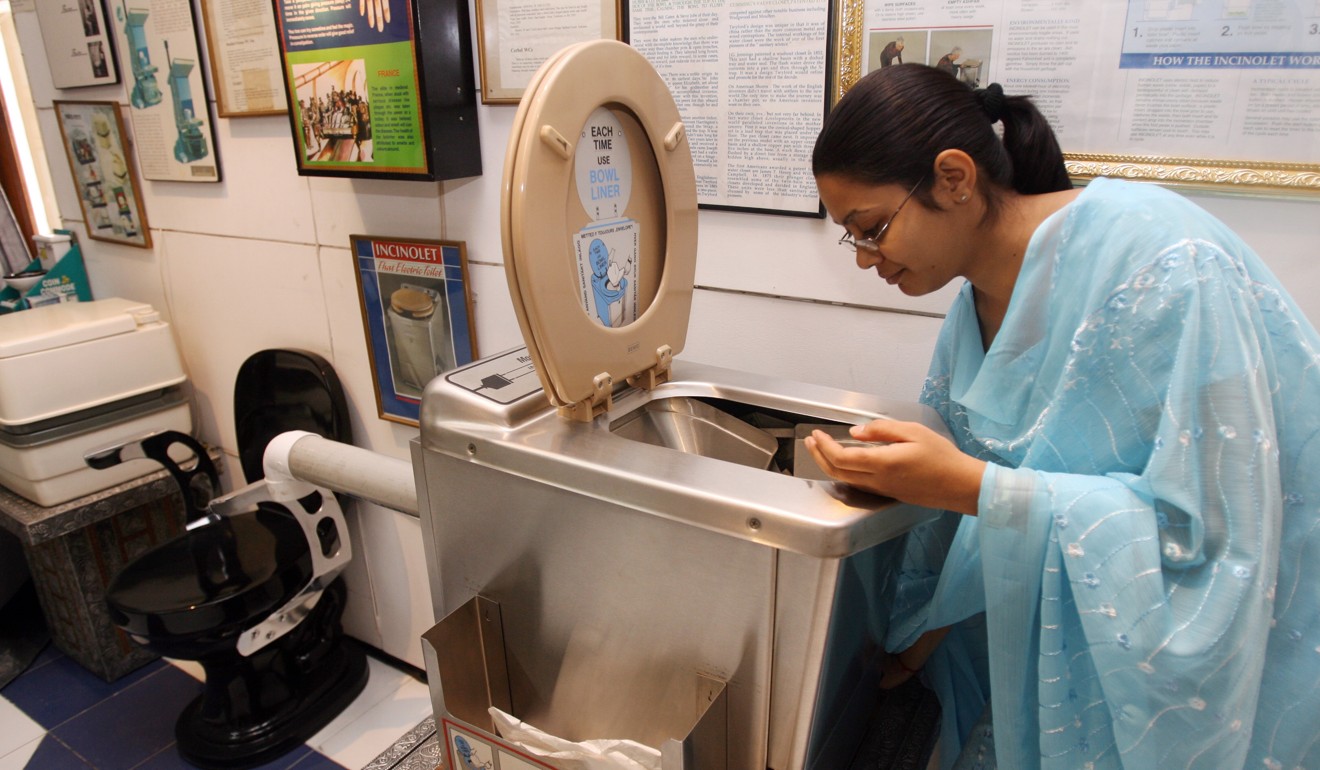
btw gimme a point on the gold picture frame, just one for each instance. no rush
(1248, 176)
(509, 56)
(417, 315)
(103, 172)
(237, 30)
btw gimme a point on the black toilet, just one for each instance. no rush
(251, 589)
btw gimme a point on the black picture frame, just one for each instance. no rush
(366, 99)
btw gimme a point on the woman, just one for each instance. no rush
(1125, 572)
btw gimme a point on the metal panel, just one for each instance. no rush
(611, 616)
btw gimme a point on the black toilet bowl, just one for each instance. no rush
(194, 597)
(243, 568)
(252, 709)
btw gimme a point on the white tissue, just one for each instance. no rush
(601, 754)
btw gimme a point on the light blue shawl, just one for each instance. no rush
(1140, 587)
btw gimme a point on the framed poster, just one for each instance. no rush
(108, 191)
(359, 103)
(77, 42)
(417, 315)
(367, 99)
(751, 84)
(1218, 95)
(515, 37)
(245, 58)
(167, 92)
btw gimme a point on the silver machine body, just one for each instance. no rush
(645, 562)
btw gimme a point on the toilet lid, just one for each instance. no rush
(599, 221)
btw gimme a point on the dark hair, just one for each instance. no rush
(891, 125)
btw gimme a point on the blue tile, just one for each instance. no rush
(48, 653)
(317, 761)
(60, 689)
(51, 754)
(134, 724)
(169, 759)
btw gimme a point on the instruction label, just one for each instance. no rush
(607, 265)
(602, 166)
(503, 379)
(470, 750)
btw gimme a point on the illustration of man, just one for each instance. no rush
(468, 755)
(608, 284)
(893, 50)
(947, 61)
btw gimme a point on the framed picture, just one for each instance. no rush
(515, 37)
(372, 94)
(417, 314)
(77, 42)
(751, 85)
(245, 58)
(108, 190)
(157, 41)
(1200, 95)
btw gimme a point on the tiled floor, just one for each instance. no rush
(58, 716)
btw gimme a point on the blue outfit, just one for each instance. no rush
(1139, 589)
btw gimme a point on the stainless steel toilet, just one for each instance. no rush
(624, 544)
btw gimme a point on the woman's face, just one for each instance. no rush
(915, 252)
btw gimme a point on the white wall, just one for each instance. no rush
(262, 260)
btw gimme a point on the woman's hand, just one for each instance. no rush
(902, 666)
(914, 464)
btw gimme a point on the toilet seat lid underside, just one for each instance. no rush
(555, 231)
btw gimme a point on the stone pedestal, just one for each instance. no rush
(76, 548)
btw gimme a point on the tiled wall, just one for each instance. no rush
(261, 260)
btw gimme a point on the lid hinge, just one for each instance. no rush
(600, 401)
(648, 379)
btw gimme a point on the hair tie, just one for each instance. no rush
(991, 98)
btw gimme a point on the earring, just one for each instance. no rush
(963, 199)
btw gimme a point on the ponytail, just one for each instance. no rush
(1038, 165)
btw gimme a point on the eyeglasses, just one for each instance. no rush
(871, 243)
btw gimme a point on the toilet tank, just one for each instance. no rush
(76, 377)
(59, 359)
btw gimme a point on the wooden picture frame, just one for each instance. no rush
(103, 173)
(245, 58)
(515, 37)
(417, 316)
(1202, 114)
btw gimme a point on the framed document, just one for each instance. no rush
(172, 126)
(1224, 96)
(515, 37)
(367, 97)
(108, 191)
(751, 84)
(417, 315)
(77, 42)
(245, 58)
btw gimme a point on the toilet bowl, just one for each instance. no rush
(251, 589)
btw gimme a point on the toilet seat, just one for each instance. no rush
(599, 172)
(257, 562)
